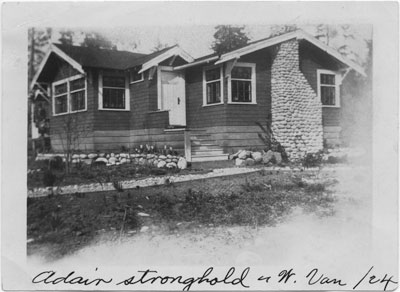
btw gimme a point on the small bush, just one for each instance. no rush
(56, 163)
(312, 160)
(49, 178)
(118, 186)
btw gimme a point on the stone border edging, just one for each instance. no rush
(147, 182)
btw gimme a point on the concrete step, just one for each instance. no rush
(199, 158)
(203, 146)
(208, 152)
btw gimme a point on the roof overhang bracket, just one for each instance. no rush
(152, 71)
(343, 76)
(229, 66)
(172, 60)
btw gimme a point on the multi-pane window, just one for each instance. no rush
(135, 76)
(213, 85)
(328, 88)
(242, 83)
(113, 92)
(77, 93)
(69, 95)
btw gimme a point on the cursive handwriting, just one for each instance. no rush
(314, 278)
(47, 277)
(188, 282)
(376, 280)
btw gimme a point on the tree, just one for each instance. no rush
(282, 29)
(38, 40)
(228, 38)
(97, 40)
(72, 135)
(325, 33)
(66, 37)
(159, 46)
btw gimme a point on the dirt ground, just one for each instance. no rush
(302, 238)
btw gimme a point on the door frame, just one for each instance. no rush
(159, 86)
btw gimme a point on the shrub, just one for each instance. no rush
(56, 163)
(312, 160)
(49, 178)
(118, 186)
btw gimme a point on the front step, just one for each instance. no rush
(207, 152)
(204, 147)
(200, 158)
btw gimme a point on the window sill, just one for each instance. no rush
(239, 102)
(212, 104)
(79, 111)
(114, 110)
(60, 114)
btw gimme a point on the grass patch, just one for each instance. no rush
(68, 222)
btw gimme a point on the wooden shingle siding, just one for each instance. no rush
(85, 118)
(108, 119)
(248, 115)
(158, 119)
(198, 116)
(310, 61)
(65, 70)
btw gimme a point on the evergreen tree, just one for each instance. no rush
(97, 40)
(66, 37)
(228, 38)
(38, 41)
(282, 29)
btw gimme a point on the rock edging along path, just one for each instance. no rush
(130, 184)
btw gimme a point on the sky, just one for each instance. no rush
(197, 39)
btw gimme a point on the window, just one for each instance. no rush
(328, 88)
(212, 86)
(69, 95)
(135, 76)
(113, 93)
(242, 86)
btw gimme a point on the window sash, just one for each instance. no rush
(241, 90)
(61, 104)
(67, 101)
(329, 88)
(113, 98)
(213, 92)
(212, 86)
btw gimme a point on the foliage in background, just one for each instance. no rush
(228, 38)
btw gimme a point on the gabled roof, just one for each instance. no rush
(99, 58)
(79, 57)
(271, 41)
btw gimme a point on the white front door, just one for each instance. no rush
(173, 97)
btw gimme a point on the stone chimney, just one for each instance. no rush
(295, 107)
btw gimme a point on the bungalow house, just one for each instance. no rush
(210, 105)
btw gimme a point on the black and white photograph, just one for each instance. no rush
(200, 146)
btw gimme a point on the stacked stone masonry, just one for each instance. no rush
(296, 110)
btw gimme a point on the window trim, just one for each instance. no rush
(221, 82)
(253, 84)
(337, 86)
(68, 93)
(100, 94)
(136, 81)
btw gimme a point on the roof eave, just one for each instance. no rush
(169, 53)
(298, 34)
(62, 55)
